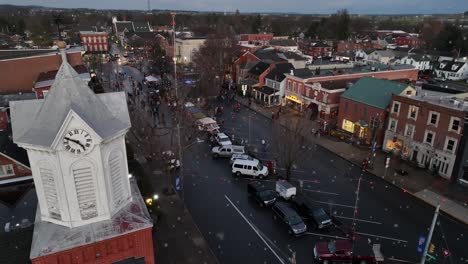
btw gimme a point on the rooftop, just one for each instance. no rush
(6, 98)
(24, 53)
(51, 238)
(259, 68)
(373, 92)
(10, 149)
(283, 42)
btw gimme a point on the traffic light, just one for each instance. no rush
(431, 248)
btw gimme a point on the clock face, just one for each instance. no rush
(77, 141)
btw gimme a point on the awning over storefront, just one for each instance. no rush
(294, 99)
(266, 90)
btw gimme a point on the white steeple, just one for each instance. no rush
(75, 141)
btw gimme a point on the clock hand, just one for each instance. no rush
(76, 141)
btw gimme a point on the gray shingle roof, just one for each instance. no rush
(124, 25)
(259, 68)
(37, 122)
(277, 74)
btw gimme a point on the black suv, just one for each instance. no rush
(287, 215)
(305, 209)
(262, 194)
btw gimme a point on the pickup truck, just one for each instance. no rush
(227, 151)
(343, 251)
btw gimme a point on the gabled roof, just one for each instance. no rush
(321, 45)
(373, 92)
(303, 73)
(277, 74)
(6, 98)
(141, 27)
(124, 25)
(283, 42)
(259, 68)
(293, 56)
(11, 150)
(50, 75)
(450, 66)
(268, 55)
(385, 53)
(37, 122)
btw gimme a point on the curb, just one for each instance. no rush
(370, 172)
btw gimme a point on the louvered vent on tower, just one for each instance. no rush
(50, 192)
(85, 190)
(116, 177)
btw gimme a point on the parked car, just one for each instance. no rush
(262, 194)
(288, 216)
(253, 168)
(240, 156)
(285, 189)
(226, 151)
(343, 251)
(221, 139)
(307, 211)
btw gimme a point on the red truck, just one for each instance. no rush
(342, 251)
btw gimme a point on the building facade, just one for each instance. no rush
(262, 39)
(425, 130)
(363, 108)
(75, 142)
(94, 42)
(185, 48)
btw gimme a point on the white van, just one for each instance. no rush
(253, 168)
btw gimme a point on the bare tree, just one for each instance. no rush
(211, 58)
(290, 144)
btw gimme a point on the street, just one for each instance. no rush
(239, 231)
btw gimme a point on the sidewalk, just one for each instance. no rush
(453, 198)
(176, 237)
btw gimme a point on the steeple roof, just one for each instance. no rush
(38, 122)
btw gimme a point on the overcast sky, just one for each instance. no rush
(300, 6)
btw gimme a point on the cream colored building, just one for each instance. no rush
(185, 48)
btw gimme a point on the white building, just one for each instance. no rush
(452, 70)
(185, 48)
(75, 141)
(382, 56)
(420, 62)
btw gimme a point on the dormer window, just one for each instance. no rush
(442, 65)
(454, 67)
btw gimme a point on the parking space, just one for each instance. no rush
(379, 215)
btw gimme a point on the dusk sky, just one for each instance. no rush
(300, 6)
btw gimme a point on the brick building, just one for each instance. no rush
(14, 163)
(409, 41)
(20, 68)
(426, 130)
(315, 49)
(262, 39)
(347, 46)
(322, 91)
(94, 42)
(46, 79)
(363, 108)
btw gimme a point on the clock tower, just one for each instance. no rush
(75, 141)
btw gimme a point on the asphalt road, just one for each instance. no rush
(239, 231)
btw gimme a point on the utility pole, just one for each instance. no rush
(356, 203)
(429, 237)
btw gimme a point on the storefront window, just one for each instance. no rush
(348, 126)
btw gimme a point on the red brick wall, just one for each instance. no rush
(19, 170)
(411, 74)
(19, 75)
(350, 115)
(421, 125)
(135, 244)
(94, 45)
(40, 92)
(3, 120)
(256, 37)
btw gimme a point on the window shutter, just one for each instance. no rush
(85, 191)
(50, 192)
(116, 177)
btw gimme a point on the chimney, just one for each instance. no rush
(292, 72)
